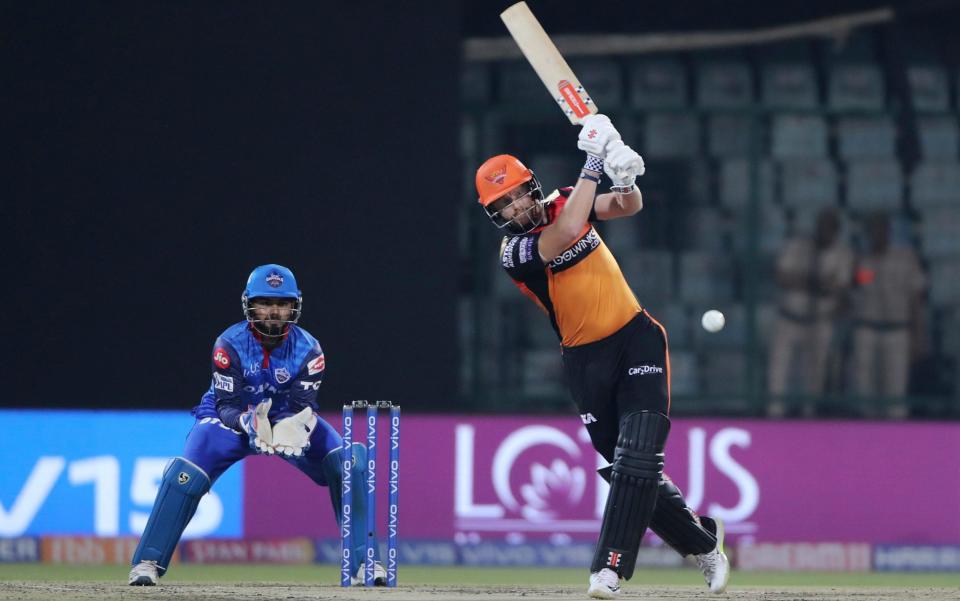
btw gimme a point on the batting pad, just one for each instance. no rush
(678, 525)
(182, 487)
(635, 478)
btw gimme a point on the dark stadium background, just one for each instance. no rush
(155, 152)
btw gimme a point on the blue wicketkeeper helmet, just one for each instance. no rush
(271, 281)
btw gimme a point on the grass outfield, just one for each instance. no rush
(423, 575)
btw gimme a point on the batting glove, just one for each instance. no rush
(597, 132)
(622, 166)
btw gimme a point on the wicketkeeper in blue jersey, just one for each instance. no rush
(262, 400)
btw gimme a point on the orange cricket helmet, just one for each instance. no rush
(498, 175)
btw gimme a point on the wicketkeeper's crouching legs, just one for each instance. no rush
(634, 482)
(183, 484)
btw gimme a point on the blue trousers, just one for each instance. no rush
(213, 448)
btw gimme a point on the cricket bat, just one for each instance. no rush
(546, 60)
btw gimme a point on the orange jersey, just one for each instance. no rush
(583, 290)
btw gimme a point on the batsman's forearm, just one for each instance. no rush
(632, 202)
(577, 211)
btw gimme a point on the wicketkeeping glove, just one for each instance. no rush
(257, 426)
(291, 435)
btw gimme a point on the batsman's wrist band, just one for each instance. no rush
(594, 163)
(594, 178)
(627, 189)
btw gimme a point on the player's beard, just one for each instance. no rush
(530, 219)
(273, 329)
(536, 215)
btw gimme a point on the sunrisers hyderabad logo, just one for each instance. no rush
(497, 177)
(221, 359)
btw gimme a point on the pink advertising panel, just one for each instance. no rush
(534, 479)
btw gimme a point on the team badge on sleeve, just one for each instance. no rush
(506, 256)
(527, 249)
(224, 383)
(220, 358)
(316, 366)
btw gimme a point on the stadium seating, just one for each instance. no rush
(938, 136)
(671, 135)
(555, 170)
(935, 184)
(704, 278)
(874, 185)
(602, 78)
(723, 373)
(866, 138)
(856, 87)
(789, 86)
(621, 236)
(728, 135)
(939, 229)
(809, 184)
(684, 377)
(826, 136)
(929, 88)
(658, 84)
(945, 282)
(724, 85)
(650, 272)
(799, 136)
(734, 183)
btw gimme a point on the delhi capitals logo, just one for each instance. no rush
(282, 375)
(275, 279)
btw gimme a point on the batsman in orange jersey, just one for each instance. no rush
(614, 354)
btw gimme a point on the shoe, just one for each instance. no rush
(379, 575)
(604, 584)
(715, 565)
(144, 573)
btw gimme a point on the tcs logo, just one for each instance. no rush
(221, 359)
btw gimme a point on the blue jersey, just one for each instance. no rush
(245, 373)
